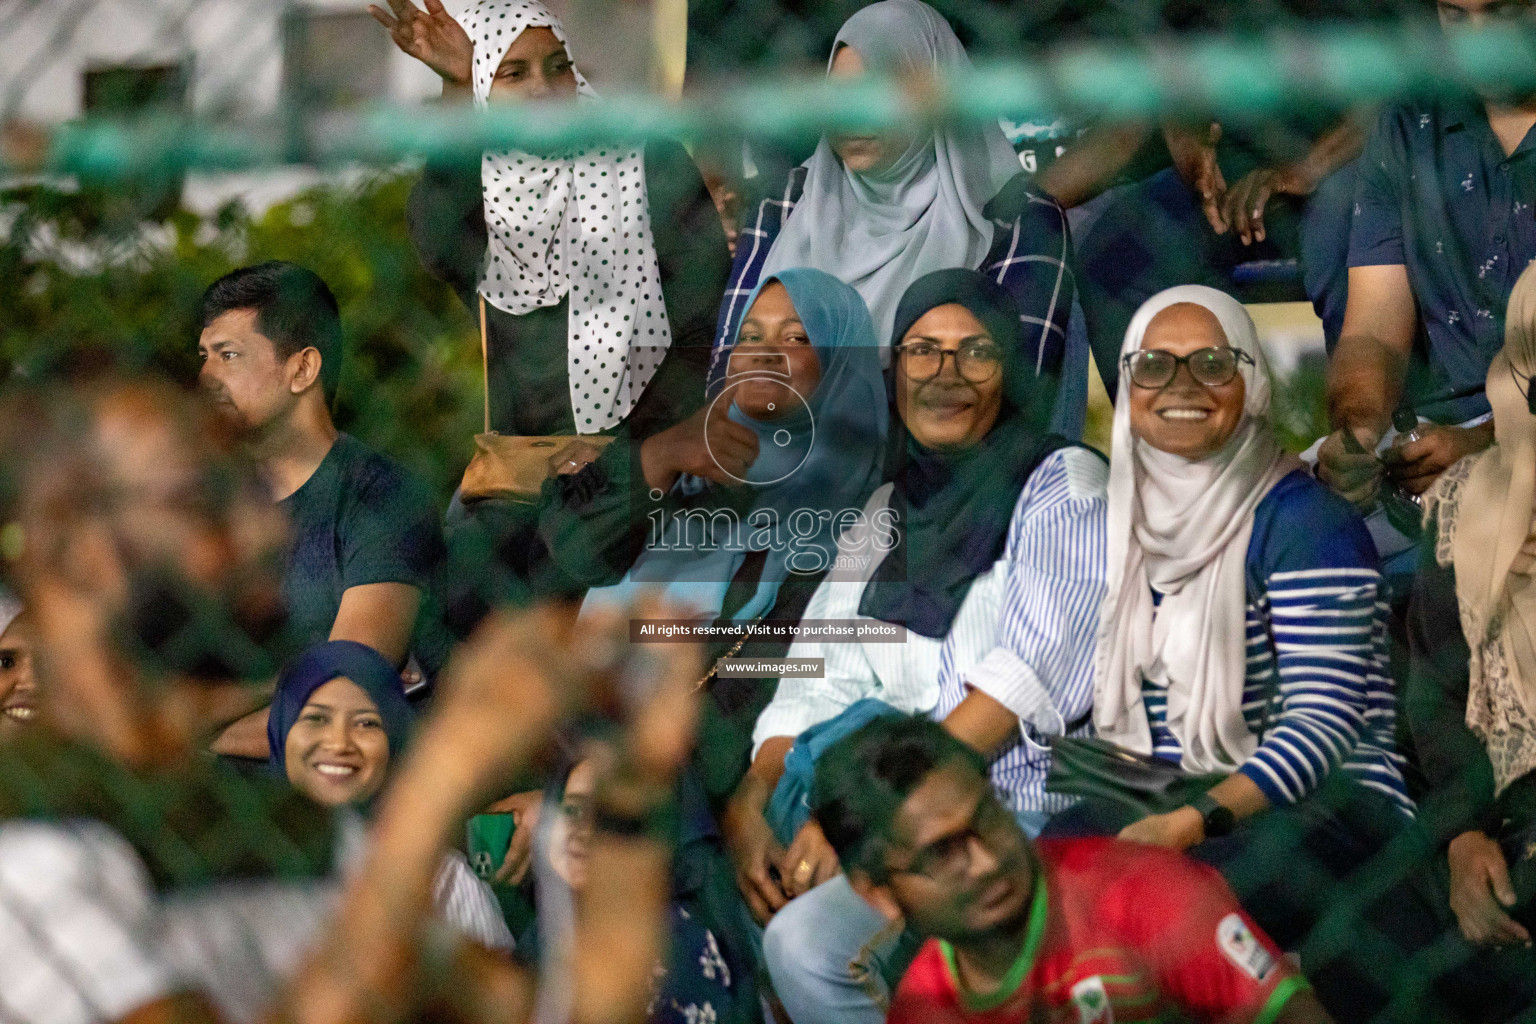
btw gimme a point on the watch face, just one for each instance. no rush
(1219, 821)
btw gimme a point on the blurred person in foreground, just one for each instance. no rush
(149, 560)
(1441, 230)
(365, 539)
(1087, 929)
(18, 677)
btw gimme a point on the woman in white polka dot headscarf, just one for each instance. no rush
(575, 253)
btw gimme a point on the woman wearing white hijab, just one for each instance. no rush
(1471, 697)
(1223, 552)
(600, 268)
(882, 210)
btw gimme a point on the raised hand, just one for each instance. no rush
(431, 36)
(708, 444)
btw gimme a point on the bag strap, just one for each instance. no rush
(485, 366)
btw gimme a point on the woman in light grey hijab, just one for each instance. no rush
(880, 211)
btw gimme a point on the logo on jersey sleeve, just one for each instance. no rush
(1093, 1005)
(1243, 948)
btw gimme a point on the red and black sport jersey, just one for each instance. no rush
(1118, 932)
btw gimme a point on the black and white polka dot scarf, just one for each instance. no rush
(575, 225)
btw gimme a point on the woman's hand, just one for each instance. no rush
(708, 444)
(756, 855)
(1177, 830)
(1480, 892)
(432, 37)
(524, 808)
(809, 861)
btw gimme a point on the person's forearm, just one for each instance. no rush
(1332, 150)
(1240, 795)
(982, 724)
(766, 771)
(373, 942)
(1365, 383)
(1092, 161)
(622, 931)
(245, 738)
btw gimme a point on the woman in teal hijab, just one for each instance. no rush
(796, 433)
(804, 378)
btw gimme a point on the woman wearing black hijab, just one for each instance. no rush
(988, 546)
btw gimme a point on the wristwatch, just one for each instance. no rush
(1219, 819)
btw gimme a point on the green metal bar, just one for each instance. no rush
(1228, 78)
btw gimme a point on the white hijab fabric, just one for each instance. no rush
(880, 232)
(1183, 528)
(10, 609)
(576, 225)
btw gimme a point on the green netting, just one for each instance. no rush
(116, 262)
(1214, 76)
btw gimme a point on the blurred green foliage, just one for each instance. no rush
(1299, 404)
(88, 269)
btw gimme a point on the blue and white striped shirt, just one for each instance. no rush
(1313, 581)
(1024, 634)
(1040, 662)
(1029, 257)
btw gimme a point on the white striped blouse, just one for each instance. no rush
(1024, 634)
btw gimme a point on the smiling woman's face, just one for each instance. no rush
(947, 412)
(18, 686)
(1184, 417)
(338, 752)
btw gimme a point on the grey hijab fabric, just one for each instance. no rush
(880, 232)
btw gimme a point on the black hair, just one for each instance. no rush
(863, 779)
(294, 309)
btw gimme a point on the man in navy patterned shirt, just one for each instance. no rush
(1443, 225)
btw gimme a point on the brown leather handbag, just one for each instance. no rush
(508, 467)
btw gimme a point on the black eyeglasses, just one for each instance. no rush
(1156, 368)
(948, 859)
(976, 361)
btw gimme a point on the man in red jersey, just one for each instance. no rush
(1090, 930)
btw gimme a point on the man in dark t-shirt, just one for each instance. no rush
(358, 521)
(365, 537)
(1086, 930)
